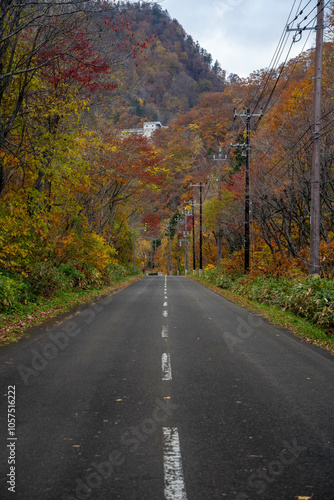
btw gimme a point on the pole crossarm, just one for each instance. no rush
(247, 113)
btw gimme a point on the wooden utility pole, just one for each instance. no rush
(169, 249)
(200, 185)
(247, 199)
(219, 237)
(200, 229)
(314, 265)
(248, 115)
(193, 220)
(315, 209)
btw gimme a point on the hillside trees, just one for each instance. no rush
(73, 188)
(64, 179)
(280, 165)
(174, 74)
(33, 35)
(282, 176)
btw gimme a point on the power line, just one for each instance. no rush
(277, 54)
(315, 17)
(291, 72)
(294, 66)
(305, 147)
(301, 12)
(283, 66)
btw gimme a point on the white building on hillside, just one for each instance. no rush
(148, 129)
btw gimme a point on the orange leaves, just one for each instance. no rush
(152, 221)
(131, 158)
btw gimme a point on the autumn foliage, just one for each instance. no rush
(76, 190)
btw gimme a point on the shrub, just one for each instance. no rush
(211, 274)
(46, 279)
(313, 299)
(118, 271)
(75, 277)
(271, 291)
(309, 297)
(223, 281)
(14, 291)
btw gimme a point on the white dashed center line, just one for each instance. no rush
(166, 366)
(164, 332)
(174, 480)
(174, 488)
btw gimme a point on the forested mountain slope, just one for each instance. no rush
(171, 75)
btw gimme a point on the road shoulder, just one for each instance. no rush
(14, 328)
(295, 324)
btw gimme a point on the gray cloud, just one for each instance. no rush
(241, 34)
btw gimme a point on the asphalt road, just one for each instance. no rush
(165, 390)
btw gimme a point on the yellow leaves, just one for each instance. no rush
(85, 247)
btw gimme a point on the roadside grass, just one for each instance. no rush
(286, 319)
(14, 322)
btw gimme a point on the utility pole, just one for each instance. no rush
(200, 185)
(193, 204)
(248, 115)
(185, 236)
(134, 250)
(314, 264)
(200, 229)
(316, 158)
(193, 219)
(178, 255)
(220, 231)
(178, 220)
(169, 249)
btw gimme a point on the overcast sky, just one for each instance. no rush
(241, 34)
